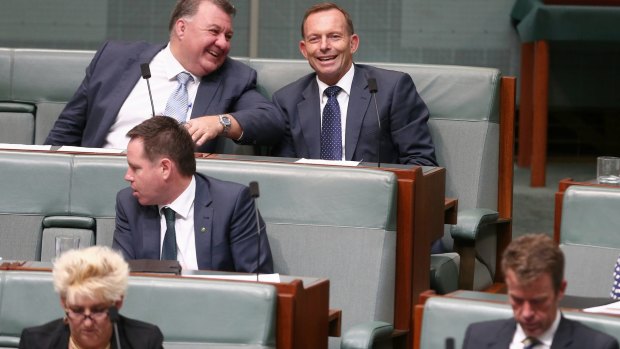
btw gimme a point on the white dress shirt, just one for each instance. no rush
(137, 107)
(183, 207)
(546, 338)
(345, 84)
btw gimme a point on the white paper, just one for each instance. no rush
(239, 277)
(90, 150)
(24, 146)
(612, 308)
(327, 162)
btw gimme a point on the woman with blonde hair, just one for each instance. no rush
(92, 283)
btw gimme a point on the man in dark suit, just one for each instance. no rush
(222, 95)
(533, 266)
(328, 43)
(202, 222)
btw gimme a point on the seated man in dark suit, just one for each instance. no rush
(171, 212)
(330, 114)
(192, 79)
(533, 266)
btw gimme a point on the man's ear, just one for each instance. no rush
(179, 28)
(165, 166)
(302, 49)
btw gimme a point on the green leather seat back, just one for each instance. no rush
(589, 239)
(33, 186)
(332, 222)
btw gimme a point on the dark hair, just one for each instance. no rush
(163, 136)
(325, 6)
(188, 8)
(532, 255)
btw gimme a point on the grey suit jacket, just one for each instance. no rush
(224, 227)
(405, 137)
(113, 73)
(498, 334)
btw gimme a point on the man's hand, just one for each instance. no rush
(206, 128)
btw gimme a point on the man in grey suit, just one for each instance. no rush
(171, 212)
(533, 266)
(344, 125)
(222, 99)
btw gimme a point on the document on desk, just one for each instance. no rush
(12, 146)
(611, 308)
(238, 277)
(90, 150)
(327, 162)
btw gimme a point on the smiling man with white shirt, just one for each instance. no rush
(222, 96)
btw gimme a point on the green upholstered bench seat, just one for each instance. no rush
(192, 313)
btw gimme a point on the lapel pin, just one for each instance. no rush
(203, 230)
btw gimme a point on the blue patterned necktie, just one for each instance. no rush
(530, 342)
(169, 248)
(179, 101)
(615, 288)
(331, 131)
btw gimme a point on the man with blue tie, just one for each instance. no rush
(329, 114)
(171, 212)
(191, 77)
(533, 267)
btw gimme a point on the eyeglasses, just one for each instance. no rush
(80, 315)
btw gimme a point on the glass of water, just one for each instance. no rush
(608, 170)
(66, 243)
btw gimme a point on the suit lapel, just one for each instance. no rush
(124, 85)
(563, 337)
(503, 337)
(203, 223)
(310, 119)
(359, 101)
(206, 92)
(151, 234)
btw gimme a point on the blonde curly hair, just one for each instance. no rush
(96, 272)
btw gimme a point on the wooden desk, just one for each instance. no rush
(304, 319)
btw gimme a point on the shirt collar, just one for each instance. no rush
(547, 337)
(182, 204)
(172, 66)
(344, 83)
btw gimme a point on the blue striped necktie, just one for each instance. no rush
(178, 102)
(615, 288)
(331, 130)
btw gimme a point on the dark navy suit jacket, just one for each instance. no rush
(405, 135)
(498, 334)
(113, 73)
(224, 228)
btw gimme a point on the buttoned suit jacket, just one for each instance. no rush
(224, 227)
(114, 71)
(405, 136)
(570, 334)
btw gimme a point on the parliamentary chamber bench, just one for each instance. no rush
(191, 313)
(336, 223)
(472, 111)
